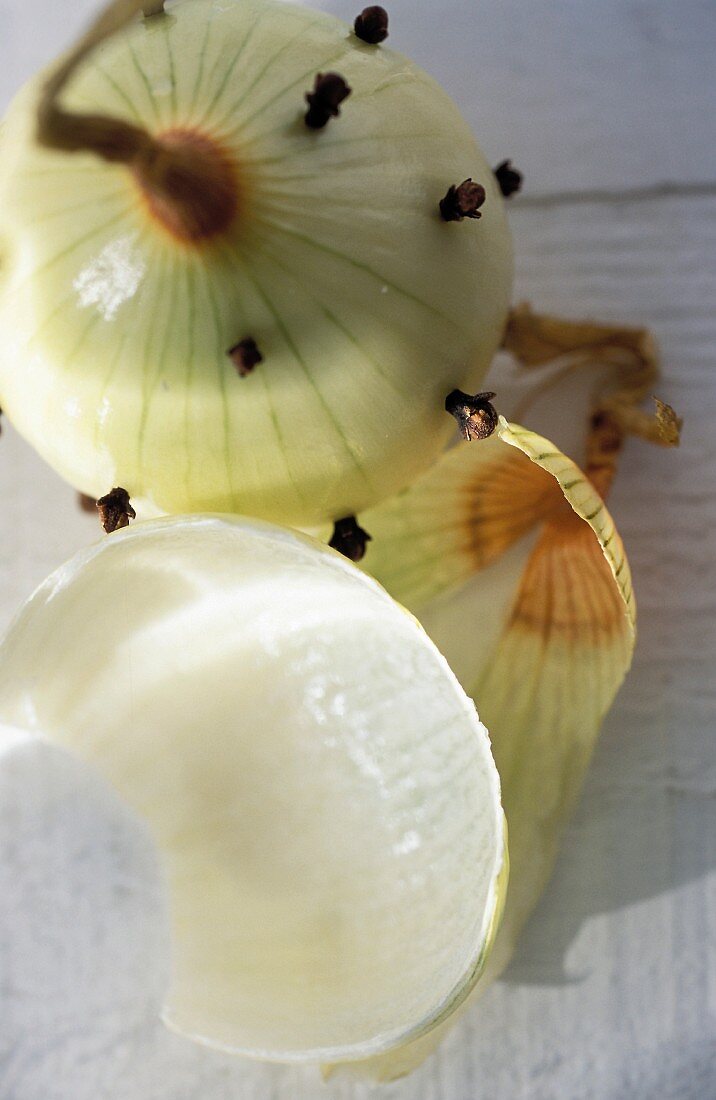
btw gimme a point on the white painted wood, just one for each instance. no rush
(613, 991)
(602, 95)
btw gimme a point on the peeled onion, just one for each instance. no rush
(366, 307)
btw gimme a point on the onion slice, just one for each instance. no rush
(318, 784)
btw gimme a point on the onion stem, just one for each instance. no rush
(190, 183)
(113, 139)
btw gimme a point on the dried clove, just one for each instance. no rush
(509, 180)
(114, 509)
(329, 91)
(475, 415)
(371, 25)
(349, 538)
(245, 356)
(462, 202)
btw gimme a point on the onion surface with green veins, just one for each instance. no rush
(318, 784)
(330, 254)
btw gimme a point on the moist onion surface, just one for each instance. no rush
(319, 786)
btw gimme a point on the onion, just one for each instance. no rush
(318, 784)
(172, 206)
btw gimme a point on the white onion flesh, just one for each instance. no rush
(318, 784)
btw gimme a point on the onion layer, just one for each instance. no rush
(319, 786)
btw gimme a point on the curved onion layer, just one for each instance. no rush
(508, 553)
(318, 784)
(366, 306)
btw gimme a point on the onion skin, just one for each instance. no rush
(368, 309)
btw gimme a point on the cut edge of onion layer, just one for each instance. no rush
(371, 897)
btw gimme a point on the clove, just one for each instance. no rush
(114, 509)
(329, 91)
(245, 356)
(475, 415)
(462, 202)
(509, 180)
(349, 538)
(371, 25)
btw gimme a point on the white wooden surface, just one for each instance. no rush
(607, 106)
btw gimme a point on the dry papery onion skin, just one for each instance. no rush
(365, 305)
(317, 782)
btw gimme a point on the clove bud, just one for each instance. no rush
(114, 509)
(245, 356)
(324, 101)
(462, 202)
(509, 180)
(371, 25)
(349, 539)
(475, 415)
